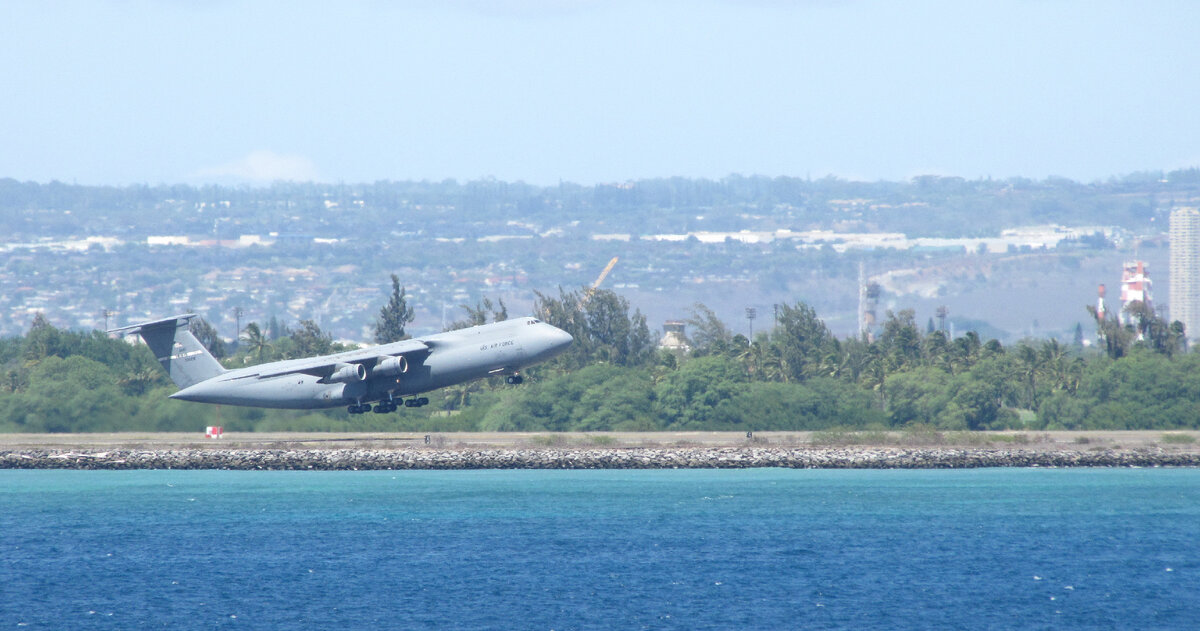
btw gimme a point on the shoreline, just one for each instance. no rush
(618, 450)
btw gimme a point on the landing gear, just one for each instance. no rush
(514, 380)
(388, 406)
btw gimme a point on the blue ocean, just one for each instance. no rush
(740, 549)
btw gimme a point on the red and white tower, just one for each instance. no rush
(1135, 287)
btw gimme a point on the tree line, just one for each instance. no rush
(794, 376)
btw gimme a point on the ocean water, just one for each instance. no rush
(742, 549)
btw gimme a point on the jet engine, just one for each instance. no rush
(348, 373)
(389, 366)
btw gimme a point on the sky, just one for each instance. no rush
(194, 91)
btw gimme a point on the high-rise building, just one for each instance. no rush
(1185, 270)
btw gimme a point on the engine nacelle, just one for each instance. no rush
(348, 373)
(390, 366)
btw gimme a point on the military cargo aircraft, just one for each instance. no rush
(384, 375)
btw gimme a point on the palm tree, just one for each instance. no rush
(751, 355)
(457, 397)
(138, 382)
(255, 340)
(1053, 359)
(1029, 365)
(876, 372)
(775, 365)
(965, 352)
(937, 350)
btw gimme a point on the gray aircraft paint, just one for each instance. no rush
(435, 361)
(184, 358)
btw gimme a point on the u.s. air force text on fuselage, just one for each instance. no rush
(389, 375)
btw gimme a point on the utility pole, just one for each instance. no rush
(751, 313)
(237, 335)
(862, 300)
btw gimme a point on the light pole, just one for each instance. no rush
(751, 313)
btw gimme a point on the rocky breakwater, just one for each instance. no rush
(588, 458)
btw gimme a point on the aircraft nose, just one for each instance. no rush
(553, 341)
(562, 339)
(202, 392)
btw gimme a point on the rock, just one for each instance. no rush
(584, 458)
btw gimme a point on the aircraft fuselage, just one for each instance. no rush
(384, 373)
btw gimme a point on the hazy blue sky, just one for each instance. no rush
(117, 92)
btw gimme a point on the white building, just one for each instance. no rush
(1185, 270)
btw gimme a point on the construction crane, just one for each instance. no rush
(587, 294)
(607, 269)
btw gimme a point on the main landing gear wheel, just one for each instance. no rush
(514, 380)
(416, 402)
(359, 408)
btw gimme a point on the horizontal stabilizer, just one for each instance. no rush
(172, 321)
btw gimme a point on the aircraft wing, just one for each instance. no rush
(325, 365)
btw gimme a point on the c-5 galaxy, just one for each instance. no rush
(383, 374)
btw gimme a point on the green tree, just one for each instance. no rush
(603, 328)
(937, 352)
(1117, 339)
(979, 395)
(394, 316)
(901, 339)
(44, 340)
(481, 313)
(71, 394)
(919, 396)
(965, 352)
(256, 342)
(818, 403)
(709, 335)
(310, 340)
(687, 398)
(1030, 365)
(804, 340)
(208, 336)
(137, 383)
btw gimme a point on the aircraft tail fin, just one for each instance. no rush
(184, 358)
